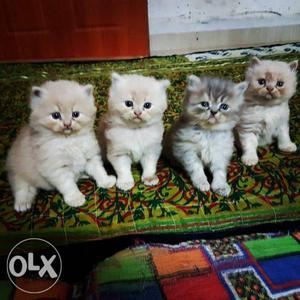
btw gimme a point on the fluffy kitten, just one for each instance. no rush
(132, 129)
(265, 114)
(202, 137)
(57, 146)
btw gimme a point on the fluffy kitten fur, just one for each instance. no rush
(57, 146)
(132, 129)
(265, 114)
(202, 137)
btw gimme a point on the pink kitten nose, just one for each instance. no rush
(270, 88)
(137, 113)
(67, 125)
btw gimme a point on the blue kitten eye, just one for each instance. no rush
(261, 81)
(147, 105)
(56, 115)
(205, 104)
(224, 106)
(75, 114)
(129, 103)
(280, 83)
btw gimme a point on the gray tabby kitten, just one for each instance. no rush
(202, 136)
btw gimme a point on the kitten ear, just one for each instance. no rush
(254, 61)
(88, 89)
(293, 65)
(165, 83)
(193, 82)
(37, 94)
(115, 77)
(241, 87)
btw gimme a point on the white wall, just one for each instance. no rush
(186, 26)
(207, 10)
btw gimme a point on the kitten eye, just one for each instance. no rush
(147, 105)
(205, 104)
(56, 115)
(224, 106)
(261, 81)
(280, 83)
(129, 103)
(75, 114)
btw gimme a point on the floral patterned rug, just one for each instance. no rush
(266, 193)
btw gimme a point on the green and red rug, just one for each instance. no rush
(266, 193)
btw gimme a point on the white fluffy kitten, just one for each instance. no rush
(57, 146)
(202, 137)
(132, 129)
(265, 114)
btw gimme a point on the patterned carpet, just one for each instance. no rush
(230, 268)
(227, 268)
(266, 193)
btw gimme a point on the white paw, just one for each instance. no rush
(22, 206)
(75, 199)
(107, 182)
(250, 160)
(222, 190)
(203, 186)
(153, 180)
(125, 185)
(288, 148)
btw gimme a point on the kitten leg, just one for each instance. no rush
(64, 181)
(284, 141)
(194, 167)
(122, 166)
(94, 168)
(149, 163)
(219, 183)
(24, 194)
(249, 144)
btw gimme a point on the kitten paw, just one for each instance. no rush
(288, 148)
(223, 190)
(249, 160)
(22, 206)
(203, 186)
(108, 182)
(75, 200)
(125, 185)
(153, 180)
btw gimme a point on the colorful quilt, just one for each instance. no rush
(259, 266)
(266, 193)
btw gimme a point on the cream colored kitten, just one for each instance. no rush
(132, 129)
(57, 146)
(265, 115)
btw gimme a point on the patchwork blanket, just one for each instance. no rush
(259, 266)
(266, 193)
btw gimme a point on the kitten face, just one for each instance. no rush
(271, 82)
(210, 101)
(62, 106)
(137, 100)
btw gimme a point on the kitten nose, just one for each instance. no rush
(137, 113)
(270, 88)
(68, 125)
(213, 112)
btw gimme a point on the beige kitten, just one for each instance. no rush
(265, 114)
(132, 129)
(57, 146)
